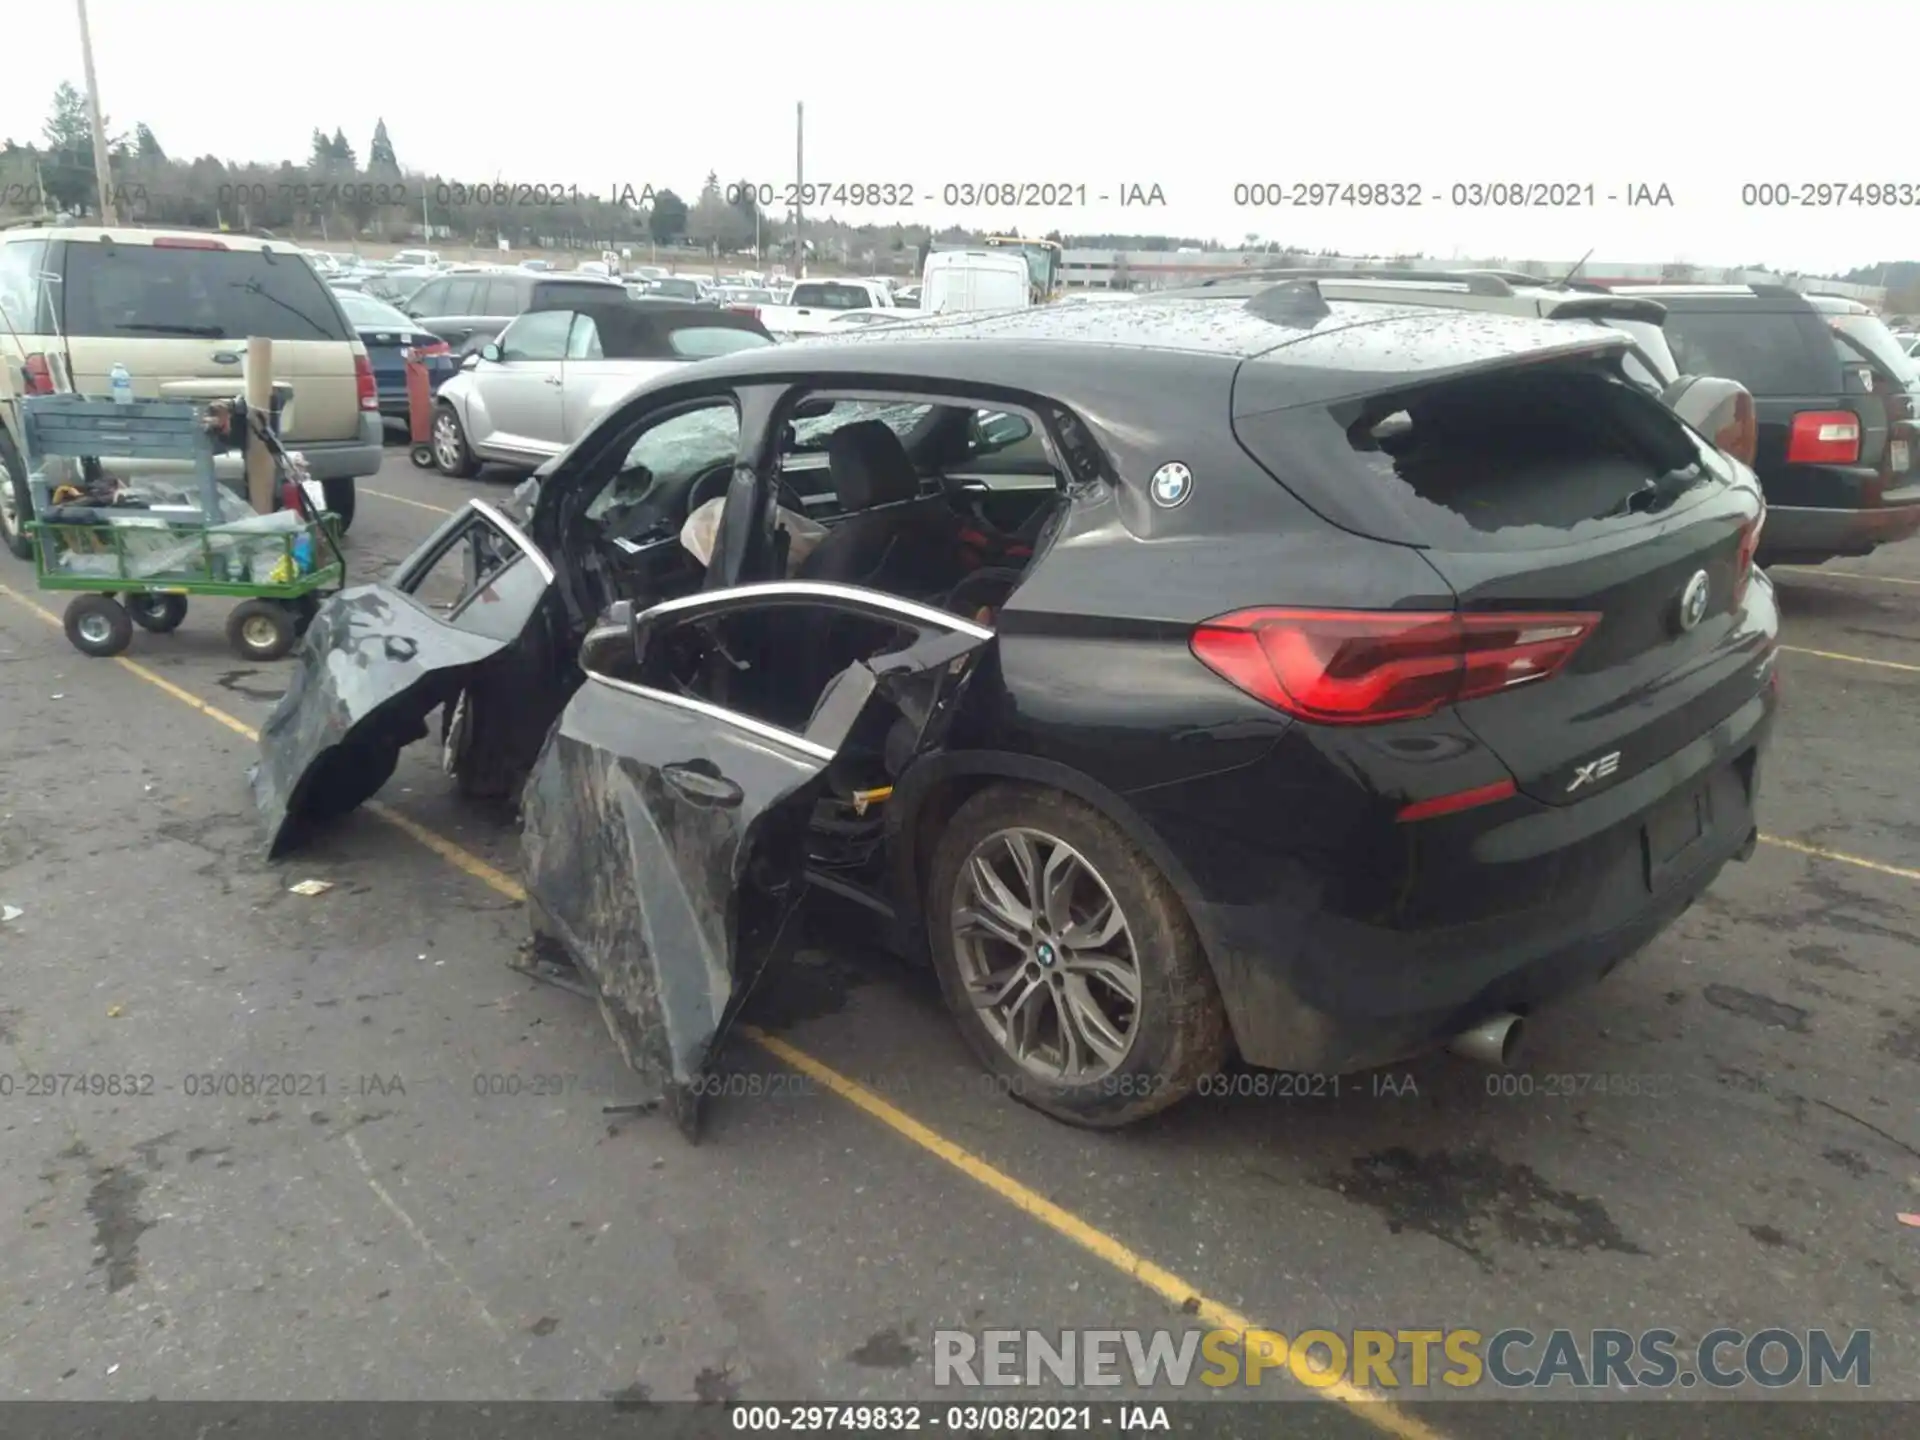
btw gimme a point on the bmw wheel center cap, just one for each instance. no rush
(1171, 485)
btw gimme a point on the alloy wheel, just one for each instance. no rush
(1046, 955)
(446, 441)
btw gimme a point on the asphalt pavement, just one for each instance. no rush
(347, 1152)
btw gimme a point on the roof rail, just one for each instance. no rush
(1478, 282)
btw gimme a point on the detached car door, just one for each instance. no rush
(664, 834)
(378, 659)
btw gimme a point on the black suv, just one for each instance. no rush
(1316, 680)
(1836, 400)
(468, 309)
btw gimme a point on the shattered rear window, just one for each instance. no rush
(1518, 459)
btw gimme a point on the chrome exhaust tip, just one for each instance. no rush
(1494, 1041)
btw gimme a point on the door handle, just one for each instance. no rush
(701, 788)
(553, 379)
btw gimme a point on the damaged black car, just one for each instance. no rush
(1305, 682)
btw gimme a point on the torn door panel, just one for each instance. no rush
(373, 665)
(664, 837)
(659, 845)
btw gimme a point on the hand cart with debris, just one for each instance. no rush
(135, 551)
(419, 411)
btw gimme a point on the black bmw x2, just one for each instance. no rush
(1312, 681)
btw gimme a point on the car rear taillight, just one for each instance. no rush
(1824, 437)
(1362, 667)
(39, 375)
(431, 349)
(363, 378)
(1743, 558)
(187, 242)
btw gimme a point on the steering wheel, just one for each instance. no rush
(714, 484)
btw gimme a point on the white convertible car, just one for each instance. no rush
(552, 373)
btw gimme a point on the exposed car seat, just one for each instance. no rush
(892, 538)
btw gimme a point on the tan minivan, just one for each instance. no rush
(177, 308)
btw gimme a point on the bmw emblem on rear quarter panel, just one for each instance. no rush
(1171, 485)
(1693, 601)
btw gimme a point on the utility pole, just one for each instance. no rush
(799, 189)
(102, 176)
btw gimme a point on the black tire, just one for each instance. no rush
(452, 456)
(422, 456)
(1179, 1029)
(13, 475)
(160, 614)
(98, 625)
(471, 751)
(340, 498)
(304, 609)
(262, 629)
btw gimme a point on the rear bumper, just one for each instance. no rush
(326, 459)
(347, 459)
(1797, 532)
(1308, 990)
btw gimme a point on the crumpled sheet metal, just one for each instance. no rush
(639, 889)
(370, 667)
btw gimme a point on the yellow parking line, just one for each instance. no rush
(450, 851)
(1843, 574)
(1851, 659)
(1821, 852)
(402, 500)
(1369, 1405)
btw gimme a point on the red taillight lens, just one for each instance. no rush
(1824, 437)
(1743, 560)
(185, 242)
(39, 375)
(1362, 667)
(431, 349)
(363, 378)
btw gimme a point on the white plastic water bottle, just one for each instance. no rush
(122, 384)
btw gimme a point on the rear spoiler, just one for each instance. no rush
(1610, 307)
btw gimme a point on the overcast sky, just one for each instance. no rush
(1192, 96)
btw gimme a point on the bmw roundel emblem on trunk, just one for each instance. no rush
(1171, 485)
(1693, 600)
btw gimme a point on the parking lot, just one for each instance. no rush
(374, 1161)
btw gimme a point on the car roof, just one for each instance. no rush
(1502, 292)
(1838, 305)
(1709, 297)
(1332, 350)
(138, 235)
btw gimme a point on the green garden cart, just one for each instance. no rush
(132, 554)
